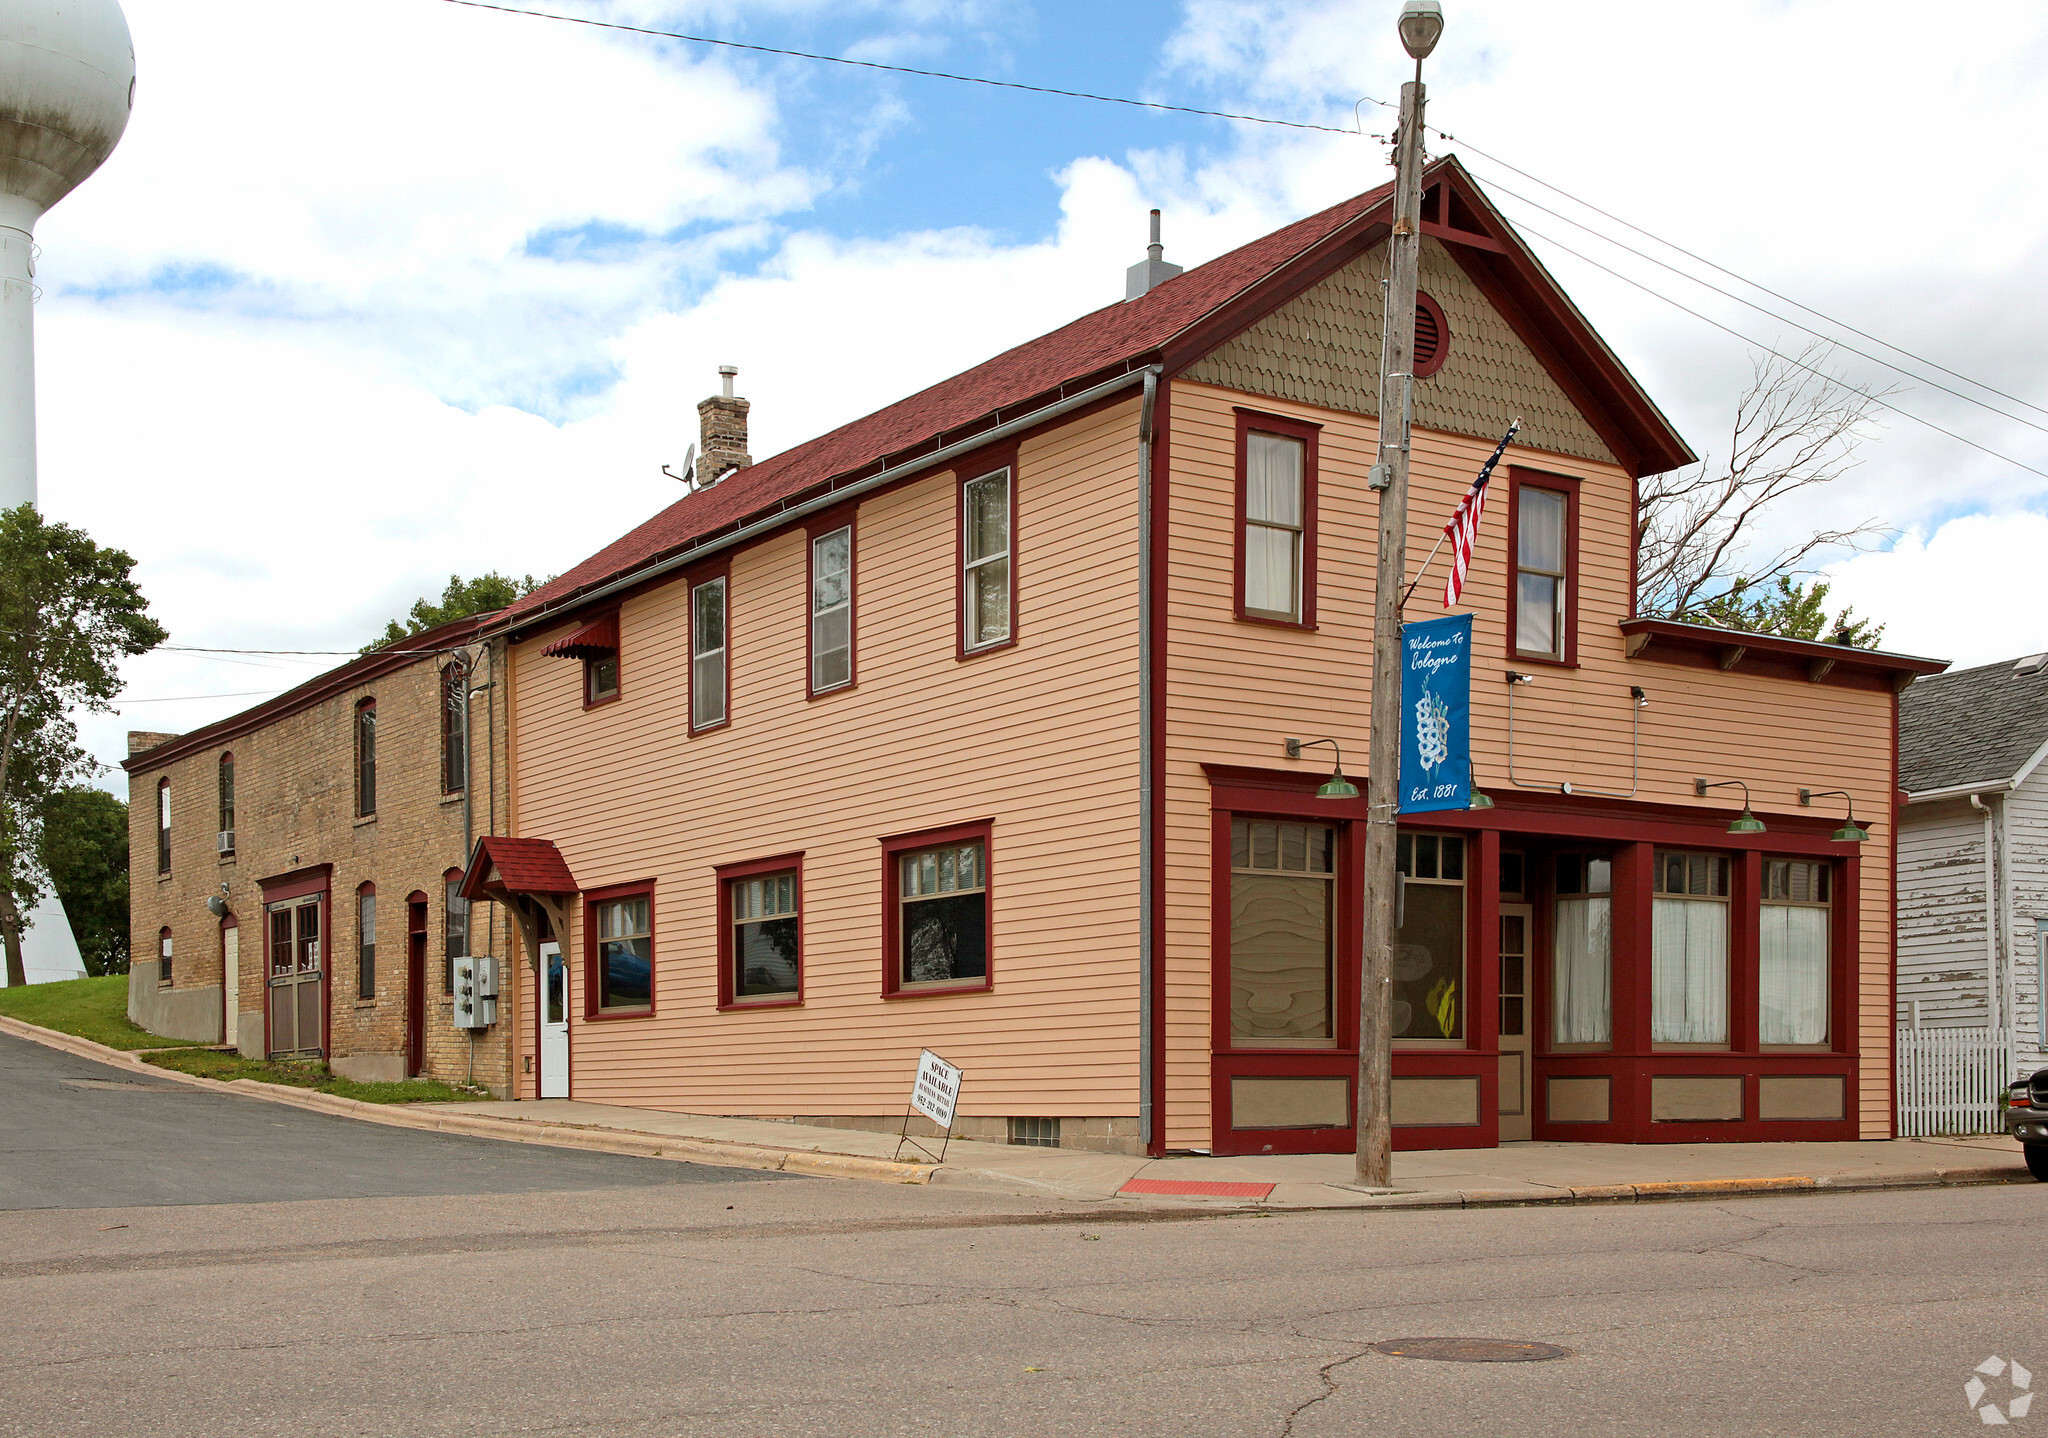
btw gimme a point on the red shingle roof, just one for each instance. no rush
(522, 866)
(1116, 334)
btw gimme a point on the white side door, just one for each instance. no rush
(231, 986)
(553, 1059)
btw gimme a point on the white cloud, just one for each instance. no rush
(1969, 592)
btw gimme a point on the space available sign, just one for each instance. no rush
(937, 1089)
(1436, 714)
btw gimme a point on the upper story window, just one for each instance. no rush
(454, 749)
(1689, 949)
(1792, 955)
(366, 758)
(832, 610)
(708, 651)
(1543, 579)
(596, 647)
(601, 678)
(226, 839)
(163, 826)
(988, 578)
(1276, 513)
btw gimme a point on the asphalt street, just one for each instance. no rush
(436, 1291)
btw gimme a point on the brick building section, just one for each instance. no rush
(294, 812)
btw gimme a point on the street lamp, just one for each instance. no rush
(1421, 24)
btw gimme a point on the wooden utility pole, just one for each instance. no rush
(1375, 1166)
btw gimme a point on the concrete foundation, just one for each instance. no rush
(188, 1015)
(1095, 1135)
(370, 1068)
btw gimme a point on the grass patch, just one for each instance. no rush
(210, 1063)
(95, 1009)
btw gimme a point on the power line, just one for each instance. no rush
(1772, 314)
(180, 698)
(1753, 284)
(1797, 364)
(906, 69)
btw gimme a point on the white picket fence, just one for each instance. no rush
(1950, 1081)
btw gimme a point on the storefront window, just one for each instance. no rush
(1792, 957)
(1429, 946)
(1282, 934)
(1689, 949)
(1582, 951)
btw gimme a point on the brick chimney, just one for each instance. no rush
(723, 423)
(140, 740)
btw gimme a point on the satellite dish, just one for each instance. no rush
(689, 474)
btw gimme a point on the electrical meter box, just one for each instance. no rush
(476, 992)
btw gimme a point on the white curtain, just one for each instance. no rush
(1792, 976)
(1688, 972)
(1582, 962)
(1273, 505)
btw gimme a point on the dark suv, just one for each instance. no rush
(2026, 1119)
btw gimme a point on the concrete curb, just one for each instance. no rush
(727, 1154)
(552, 1135)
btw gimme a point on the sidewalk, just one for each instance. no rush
(1518, 1173)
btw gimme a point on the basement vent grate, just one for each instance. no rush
(1035, 1132)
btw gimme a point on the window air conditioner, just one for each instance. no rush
(227, 841)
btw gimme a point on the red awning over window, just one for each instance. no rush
(593, 641)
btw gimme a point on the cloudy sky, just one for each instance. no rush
(376, 292)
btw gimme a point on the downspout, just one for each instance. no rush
(1148, 937)
(2008, 927)
(1991, 974)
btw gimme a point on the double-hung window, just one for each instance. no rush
(987, 577)
(1276, 519)
(708, 669)
(366, 942)
(1542, 596)
(1689, 949)
(226, 838)
(163, 826)
(1792, 953)
(163, 958)
(366, 758)
(832, 610)
(1283, 933)
(624, 930)
(764, 936)
(454, 703)
(455, 928)
(942, 918)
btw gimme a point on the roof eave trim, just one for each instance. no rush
(829, 499)
(2026, 770)
(1958, 791)
(1779, 644)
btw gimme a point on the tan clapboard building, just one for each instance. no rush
(963, 727)
(293, 868)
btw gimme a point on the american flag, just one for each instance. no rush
(1464, 525)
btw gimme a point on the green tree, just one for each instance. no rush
(85, 853)
(1797, 611)
(69, 611)
(462, 598)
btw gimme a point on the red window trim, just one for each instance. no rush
(1569, 487)
(1347, 894)
(845, 517)
(1429, 367)
(1261, 421)
(748, 869)
(970, 468)
(893, 847)
(591, 899)
(618, 658)
(721, 568)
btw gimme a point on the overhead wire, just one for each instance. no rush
(1474, 149)
(1788, 359)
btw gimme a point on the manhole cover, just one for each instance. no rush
(1470, 1350)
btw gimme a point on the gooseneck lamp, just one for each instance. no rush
(1850, 832)
(1748, 823)
(1338, 787)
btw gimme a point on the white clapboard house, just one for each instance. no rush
(1973, 891)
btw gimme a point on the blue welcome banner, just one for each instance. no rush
(1436, 714)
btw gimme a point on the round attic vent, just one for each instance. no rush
(1432, 337)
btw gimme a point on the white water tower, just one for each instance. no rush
(67, 83)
